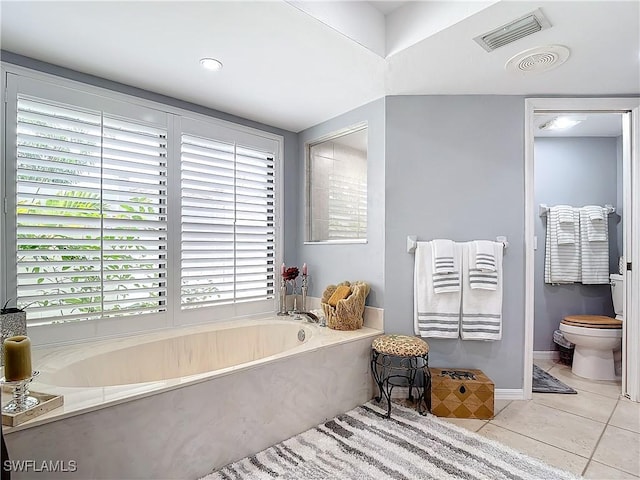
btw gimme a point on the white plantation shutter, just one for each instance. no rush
(90, 214)
(228, 223)
(134, 234)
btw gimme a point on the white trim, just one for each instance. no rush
(631, 365)
(509, 394)
(578, 105)
(546, 355)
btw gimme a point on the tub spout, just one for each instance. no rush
(309, 317)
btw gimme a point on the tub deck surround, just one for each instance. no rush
(104, 373)
(185, 427)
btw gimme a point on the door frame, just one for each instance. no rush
(631, 209)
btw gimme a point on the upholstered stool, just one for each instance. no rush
(396, 361)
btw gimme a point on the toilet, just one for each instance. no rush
(596, 337)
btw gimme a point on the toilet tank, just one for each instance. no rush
(617, 289)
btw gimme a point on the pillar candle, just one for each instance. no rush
(17, 358)
(283, 268)
(304, 269)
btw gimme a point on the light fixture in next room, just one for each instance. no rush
(210, 64)
(560, 123)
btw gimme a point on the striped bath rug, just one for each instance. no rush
(361, 444)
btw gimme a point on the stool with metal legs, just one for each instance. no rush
(397, 361)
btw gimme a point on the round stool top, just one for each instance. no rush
(400, 345)
(592, 321)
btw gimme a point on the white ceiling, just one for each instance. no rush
(286, 68)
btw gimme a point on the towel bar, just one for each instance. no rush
(412, 242)
(543, 209)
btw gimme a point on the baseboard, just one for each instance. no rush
(509, 394)
(544, 355)
(499, 394)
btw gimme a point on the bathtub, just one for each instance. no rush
(182, 402)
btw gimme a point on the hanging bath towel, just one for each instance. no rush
(481, 307)
(594, 254)
(436, 315)
(562, 256)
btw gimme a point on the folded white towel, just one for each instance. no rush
(443, 261)
(567, 230)
(595, 212)
(565, 214)
(596, 225)
(481, 308)
(435, 315)
(482, 256)
(594, 254)
(561, 261)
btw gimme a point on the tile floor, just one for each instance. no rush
(595, 433)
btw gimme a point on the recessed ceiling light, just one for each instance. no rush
(211, 64)
(560, 123)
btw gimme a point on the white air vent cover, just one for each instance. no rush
(521, 27)
(539, 59)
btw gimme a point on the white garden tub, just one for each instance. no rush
(179, 403)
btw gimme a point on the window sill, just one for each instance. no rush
(337, 242)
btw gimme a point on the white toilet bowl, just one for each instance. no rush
(595, 344)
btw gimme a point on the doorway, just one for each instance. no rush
(539, 111)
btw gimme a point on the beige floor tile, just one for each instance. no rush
(619, 449)
(605, 388)
(545, 365)
(499, 405)
(576, 434)
(626, 415)
(472, 424)
(598, 471)
(584, 403)
(536, 449)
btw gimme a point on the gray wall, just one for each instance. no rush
(455, 169)
(290, 160)
(333, 263)
(572, 171)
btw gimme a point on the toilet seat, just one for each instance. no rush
(592, 321)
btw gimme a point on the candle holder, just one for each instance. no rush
(282, 308)
(21, 400)
(303, 290)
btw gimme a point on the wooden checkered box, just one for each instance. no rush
(459, 393)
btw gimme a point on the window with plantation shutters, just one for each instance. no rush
(91, 220)
(227, 224)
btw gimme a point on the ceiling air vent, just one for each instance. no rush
(530, 23)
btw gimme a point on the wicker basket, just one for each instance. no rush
(348, 313)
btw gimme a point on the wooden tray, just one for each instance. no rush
(47, 403)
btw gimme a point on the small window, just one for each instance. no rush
(337, 187)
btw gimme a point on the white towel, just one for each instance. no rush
(561, 261)
(567, 228)
(435, 315)
(482, 256)
(595, 212)
(443, 261)
(481, 309)
(596, 223)
(482, 266)
(594, 254)
(565, 214)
